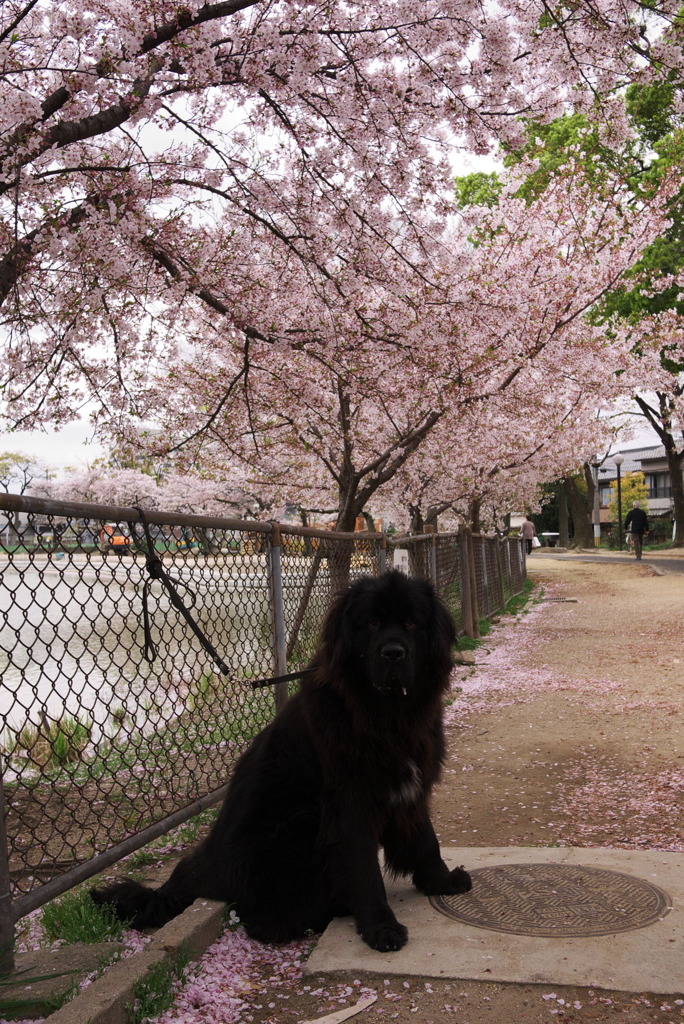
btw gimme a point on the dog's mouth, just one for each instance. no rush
(392, 669)
(392, 680)
(388, 689)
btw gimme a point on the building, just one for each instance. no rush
(653, 464)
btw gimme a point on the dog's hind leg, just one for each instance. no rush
(144, 907)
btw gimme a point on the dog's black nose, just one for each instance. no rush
(393, 652)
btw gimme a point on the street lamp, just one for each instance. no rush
(618, 460)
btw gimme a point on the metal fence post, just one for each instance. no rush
(432, 530)
(464, 572)
(6, 909)
(501, 581)
(277, 615)
(382, 554)
(474, 601)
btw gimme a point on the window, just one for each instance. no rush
(658, 485)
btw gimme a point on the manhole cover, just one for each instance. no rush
(555, 899)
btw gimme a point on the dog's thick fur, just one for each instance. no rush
(346, 767)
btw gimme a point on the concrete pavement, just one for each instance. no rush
(643, 958)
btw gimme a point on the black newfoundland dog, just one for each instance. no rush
(345, 768)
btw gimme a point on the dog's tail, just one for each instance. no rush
(141, 906)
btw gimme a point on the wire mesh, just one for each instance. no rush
(449, 570)
(411, 555)
(514, 571)
(100, 740)
(314, 570)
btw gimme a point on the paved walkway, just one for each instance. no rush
(669, 561)
(664, 561)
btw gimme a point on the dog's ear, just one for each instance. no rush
(336, 633)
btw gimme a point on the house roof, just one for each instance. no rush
(633, 463)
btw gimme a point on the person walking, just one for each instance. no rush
(527, 532)
(637, 524)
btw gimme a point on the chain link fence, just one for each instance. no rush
(141, 652)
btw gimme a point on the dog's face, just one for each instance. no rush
(388, 640)
(390, 636)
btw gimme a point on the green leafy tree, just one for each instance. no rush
(633, 488)
(18, 471)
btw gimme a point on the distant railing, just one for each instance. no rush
(140, 652)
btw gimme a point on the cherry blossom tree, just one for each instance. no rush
(173, 493)
(328, 420)
(524, 438)
(127, 125)
(652, 149)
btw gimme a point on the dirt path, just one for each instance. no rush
(570, 728)
(567, 732)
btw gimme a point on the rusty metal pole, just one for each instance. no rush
(522, 564)
(277, 615)
(6, 908)
(474, 602)
(464, 572)
(484, 612)
(382, 554)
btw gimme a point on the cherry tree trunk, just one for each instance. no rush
(674, 464)
(340, 551)
(563, 523)
(474, 515)
(581, 518)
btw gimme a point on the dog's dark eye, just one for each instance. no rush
(409, 624)
(373, 623)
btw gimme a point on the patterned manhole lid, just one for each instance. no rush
(556, 899)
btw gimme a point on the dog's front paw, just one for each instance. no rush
(439, 881)
(386, 937)
(459, 881)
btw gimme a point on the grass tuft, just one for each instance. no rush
(76, 918)
(155, 993)
(53, 743)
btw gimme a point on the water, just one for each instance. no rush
(72, 639)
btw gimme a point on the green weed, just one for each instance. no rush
(76, 918)
(53, 744)
(156, 991)
(518, 602)
(452, 695)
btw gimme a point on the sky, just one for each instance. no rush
(71, 446)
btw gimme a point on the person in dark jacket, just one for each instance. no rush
(637, 524)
